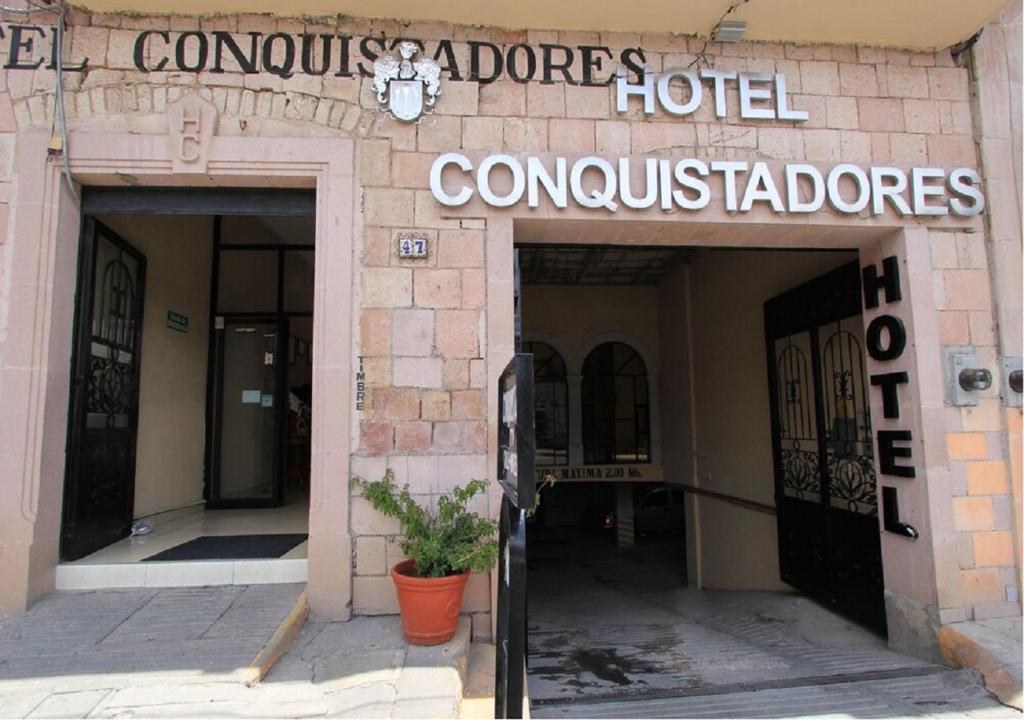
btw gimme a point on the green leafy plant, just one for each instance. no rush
(444, 541)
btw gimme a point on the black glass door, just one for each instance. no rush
(825, 484)
(99, 491)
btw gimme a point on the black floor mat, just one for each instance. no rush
(231, 547)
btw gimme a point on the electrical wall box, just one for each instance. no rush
(960, 362)
(1010, 390)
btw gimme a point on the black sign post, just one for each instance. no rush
(516, 475)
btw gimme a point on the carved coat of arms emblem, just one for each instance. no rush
(406, 87)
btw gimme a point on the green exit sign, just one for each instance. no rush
(177, 322)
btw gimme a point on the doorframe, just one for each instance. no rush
(42, 252)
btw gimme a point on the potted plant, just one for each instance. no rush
(443, 542)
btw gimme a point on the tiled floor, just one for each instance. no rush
(120, 565)
(291, 518)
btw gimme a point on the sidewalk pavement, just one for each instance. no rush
(190, 652)
(992, 646)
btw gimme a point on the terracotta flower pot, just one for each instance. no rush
(430, 606)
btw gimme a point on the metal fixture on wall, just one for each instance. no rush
(966, 380)
(730, 31)
(1013, 381)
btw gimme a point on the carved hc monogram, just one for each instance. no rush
(191, 122)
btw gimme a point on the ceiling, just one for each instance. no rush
(581, 265)
(916, 24)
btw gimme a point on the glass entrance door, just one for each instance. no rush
(249, 414)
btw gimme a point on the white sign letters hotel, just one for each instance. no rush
(595, 182)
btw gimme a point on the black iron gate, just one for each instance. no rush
(516, 453)
(99, 489)
(825, 485)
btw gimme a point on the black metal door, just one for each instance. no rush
(99, 487)
(825, 485)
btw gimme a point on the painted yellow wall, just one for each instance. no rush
(172, 402)
(870, 22)
(738, 547)
(578, 314)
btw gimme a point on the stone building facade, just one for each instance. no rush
(422, 341)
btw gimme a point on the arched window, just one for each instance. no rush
(551, 404)
(616, 413)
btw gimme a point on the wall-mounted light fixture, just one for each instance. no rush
(974, 379)
(966, 379)
(1013, 381)
(730, 31)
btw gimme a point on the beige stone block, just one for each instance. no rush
(954, 328)
(906, 81)
(815, 107)
(855, 146)
(660, 137)
(819, 78)
(412, 332)
(377, 247)
(411, 169)
(460, 249)
(993, 549)
(121, 49)
(588, 102)
(389, 207)
(416, 372)
(474, 289)
(413, 437)
(429, 212)
(880, 114)
(422, 473)
(468, 405)
(731, 136)
(857, 80)
(841, 113)
(780, 143)
(545, 100)
(387, 287)
(482, 133)
(456, 374)
(394, 404)
(439, 134)
(952, 150)
(376, 438)
(983, 331)
(375, 332)
(987, 477)
(375, 163)
(967, 446)
(478, 373)
(612, 137)
(436, 406)
(503, 98)
(447, 438)
(341, 88)
(377, 371)
(458, 333)
(525, 135)
(572, 136)
(459, 98)
(370, 556)
(478, 593)
(947, 83)
(981, 585)
(908, 149)
(973, 513)
(967, 289)
(921, 116)
(437, 288)
(89, 43)
(822, 145)
(402, 135)
(374, 595)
